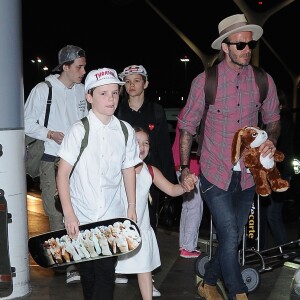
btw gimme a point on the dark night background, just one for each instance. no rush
(116, 33)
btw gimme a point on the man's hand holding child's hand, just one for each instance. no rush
(188, 184)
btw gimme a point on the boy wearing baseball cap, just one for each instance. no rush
(68, 105)
(68, 54)
(140, 111)
(93, 193)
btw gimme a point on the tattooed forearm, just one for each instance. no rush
(186, 140)
(273, 131)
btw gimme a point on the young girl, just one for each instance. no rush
(192, 206)
(143, 261)
(94, 191)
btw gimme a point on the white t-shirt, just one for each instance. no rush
(95, 185)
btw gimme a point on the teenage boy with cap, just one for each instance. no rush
(227, 189)
(68, 105)
(139, 111)
(93, 193)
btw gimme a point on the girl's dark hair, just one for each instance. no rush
(141, 129)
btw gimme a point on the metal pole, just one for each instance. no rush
(12, 166)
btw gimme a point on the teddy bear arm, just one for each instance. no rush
(277, 183)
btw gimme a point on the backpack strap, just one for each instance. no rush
(118, 113)
(210, 91)
(151, 171)
(49, 100)
(261, 80)
(125, 131)
(211, 85)
(84, 141)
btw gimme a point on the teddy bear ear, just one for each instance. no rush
(236, 146)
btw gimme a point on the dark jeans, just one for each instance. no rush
(229, 210)
(98, 278)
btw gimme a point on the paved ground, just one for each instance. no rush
(176, 279)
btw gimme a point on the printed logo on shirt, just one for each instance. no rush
(82, 105)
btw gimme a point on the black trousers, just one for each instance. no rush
(98, 278)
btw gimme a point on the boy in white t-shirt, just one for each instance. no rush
(93, 192)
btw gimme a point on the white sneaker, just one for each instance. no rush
(73, 277)
(121, 279)
(155, 292)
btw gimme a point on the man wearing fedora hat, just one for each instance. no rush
(228, 189)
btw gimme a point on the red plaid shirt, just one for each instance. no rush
(236, 105)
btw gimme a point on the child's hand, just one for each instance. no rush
(189, 182)
(72, 226)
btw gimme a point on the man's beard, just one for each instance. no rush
(234, 60)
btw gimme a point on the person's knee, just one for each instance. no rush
(228, 235)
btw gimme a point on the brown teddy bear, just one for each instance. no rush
(266, 176)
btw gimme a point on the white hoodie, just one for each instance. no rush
(68, 106)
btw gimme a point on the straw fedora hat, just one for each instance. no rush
(233, 24)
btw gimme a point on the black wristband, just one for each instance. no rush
(182, 167)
